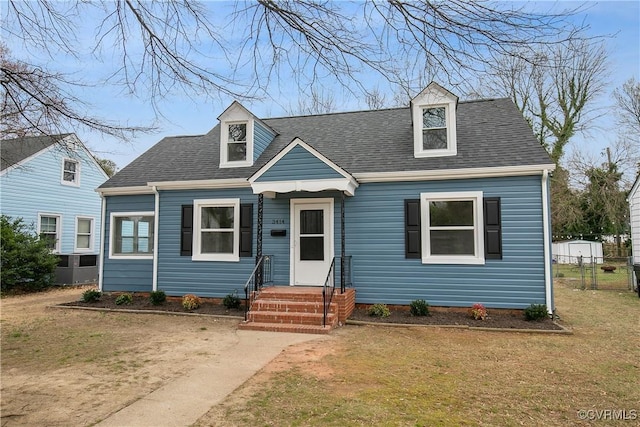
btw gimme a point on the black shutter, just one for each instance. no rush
(412, 241)
(492, 228)
(246, 230)
(186, 228)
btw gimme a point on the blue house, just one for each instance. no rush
(50, 182)
(443, 200)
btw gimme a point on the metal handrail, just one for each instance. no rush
(326, 304)
(257, 273)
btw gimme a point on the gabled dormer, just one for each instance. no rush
(243, 137)
(433, 114)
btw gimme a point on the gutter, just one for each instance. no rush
(156, 226)
(103, 226)
(546, 226)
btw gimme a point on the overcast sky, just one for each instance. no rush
(186, 116)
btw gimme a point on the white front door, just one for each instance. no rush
(311, 241)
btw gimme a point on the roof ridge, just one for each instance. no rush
(469, 101)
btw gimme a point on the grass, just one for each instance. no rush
(617, 280)
(427, 377)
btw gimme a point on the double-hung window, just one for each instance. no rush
(84, 234)
(452, 228)
(49, 230)
(237, 142)
(132, 235)
(216, 231)
(70, 172)
(434, 128)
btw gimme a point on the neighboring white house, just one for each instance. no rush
(570, 251)
(634, 220)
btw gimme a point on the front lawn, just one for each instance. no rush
(423, 377)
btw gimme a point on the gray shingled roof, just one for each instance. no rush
(13, 151)
(490, 133)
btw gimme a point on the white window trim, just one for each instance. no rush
(76, 182)
(58, 217)
(91, 235)
(450, 117)
(112, 218)
(197, 206)
(476, 197)
(224, 140)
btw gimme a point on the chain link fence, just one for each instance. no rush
(595, 272)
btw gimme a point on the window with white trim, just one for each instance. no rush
(433, 114)
(216, 230)
(236, 148)
(452, 228)
(49, 230)
(434, 128)
(70, 172)
(131, 235)
(84, 234)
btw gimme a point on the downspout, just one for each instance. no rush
(156, 226)
(103, 226)
(547, 244)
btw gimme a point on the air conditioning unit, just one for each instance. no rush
(77, 269)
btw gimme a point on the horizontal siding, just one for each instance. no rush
(134, 275)
(36, 188)
(299, 164)
(261, 140)
(374, 221)
(375, 239)
(179, 275)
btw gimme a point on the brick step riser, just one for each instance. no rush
(289, 318)
(291, 307)
(291, 297)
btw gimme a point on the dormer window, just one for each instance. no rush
(434, 128)
(243, 137)
(237, 142)
(434, 122)
(236, 148)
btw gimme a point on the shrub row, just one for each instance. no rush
(535, 312)
(189, 301)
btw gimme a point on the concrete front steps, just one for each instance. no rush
(295, 309)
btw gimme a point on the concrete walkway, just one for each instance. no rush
(185, 399)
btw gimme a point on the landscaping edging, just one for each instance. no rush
(125, 310)
(562, 331)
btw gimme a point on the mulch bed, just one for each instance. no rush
(450, 318)
(141, 302)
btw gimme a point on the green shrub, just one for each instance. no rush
(157, 297)
(91, 295)
(478, 311)
(379, 310)
(419, 307)
(26, 259)
(190, 302)
(536, 312)
(231, 300)
(124, 299)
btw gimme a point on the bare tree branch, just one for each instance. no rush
(36, 102)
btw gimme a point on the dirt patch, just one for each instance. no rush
(76, 367)
(451, 318)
